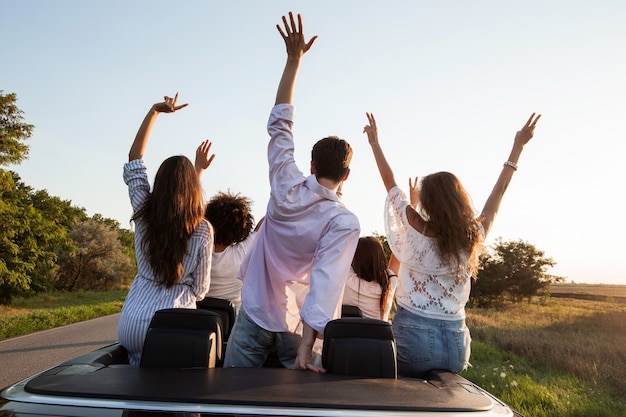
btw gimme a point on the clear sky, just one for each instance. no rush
(449, 83)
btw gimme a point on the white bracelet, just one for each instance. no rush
(511, 164)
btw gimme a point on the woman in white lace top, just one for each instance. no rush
(437, 239)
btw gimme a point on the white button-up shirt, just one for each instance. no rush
(297, 268)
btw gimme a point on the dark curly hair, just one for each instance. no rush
(230, 216)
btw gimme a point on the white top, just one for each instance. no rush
(299, 263)
(427, 286)
(224, 269)
(146, 295)
(366, 295)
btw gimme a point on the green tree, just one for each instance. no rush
(490, 287)
(98, 261)
(13, 131)
(127, 240)
(514, 270)
(34, 227)
(383, 240)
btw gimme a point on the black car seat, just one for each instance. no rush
(182, 338)
(359, 346)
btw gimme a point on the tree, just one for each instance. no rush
(127, 240)
(98, 260)
(385, 242)
(514, 270)
(33, 229)
(13, 131)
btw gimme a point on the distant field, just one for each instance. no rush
(598, 292)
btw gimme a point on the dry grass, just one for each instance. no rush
(584, 338)
(591, 289)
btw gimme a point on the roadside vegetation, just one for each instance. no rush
(46, 311)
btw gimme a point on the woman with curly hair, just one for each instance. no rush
(233, 224)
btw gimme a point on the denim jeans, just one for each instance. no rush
(424, 344)
(249, 344)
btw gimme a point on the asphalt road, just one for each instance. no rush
(26, 355)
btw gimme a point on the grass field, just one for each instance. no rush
(559, 356)
(576, 347)
(45, 311)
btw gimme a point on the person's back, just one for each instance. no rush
(299, 223)
(233, 223)
(437, 239)
(371, 285)
(173, 256)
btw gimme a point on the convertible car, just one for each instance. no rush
(181, 375)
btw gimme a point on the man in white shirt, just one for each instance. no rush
(294, 274)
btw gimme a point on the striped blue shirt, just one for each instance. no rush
(146, 295)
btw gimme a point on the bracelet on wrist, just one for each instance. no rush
(511, 164)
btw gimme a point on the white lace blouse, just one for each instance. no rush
(427, 285)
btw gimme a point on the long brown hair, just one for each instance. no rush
(370, 264)
(172, 212)
(450, 217)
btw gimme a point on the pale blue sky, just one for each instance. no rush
(449, 83)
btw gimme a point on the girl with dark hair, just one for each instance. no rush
(371, 285)
(437, 239)
(232, 220)
(173, 241)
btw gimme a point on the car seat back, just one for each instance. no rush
(182, 338)
(350, 311)
(359, 346)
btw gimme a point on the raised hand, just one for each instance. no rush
(138, 147)
(203, 160)
(293, 37)
(169, 105)
(526, 133)
(371, 129)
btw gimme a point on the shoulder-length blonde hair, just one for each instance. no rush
(172, 212)
(449, 216)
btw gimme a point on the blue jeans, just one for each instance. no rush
(249, 344)
(424, 344)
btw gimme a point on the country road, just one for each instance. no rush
(26, 355)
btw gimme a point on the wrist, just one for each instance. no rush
(294, 59)
(307, 347)
(510, 164)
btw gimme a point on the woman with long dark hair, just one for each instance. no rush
(173, 240)
(371, 285)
